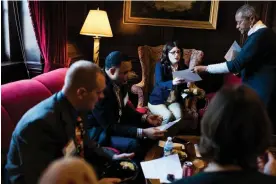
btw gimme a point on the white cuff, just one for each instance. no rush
(139, 133)
(217, 68)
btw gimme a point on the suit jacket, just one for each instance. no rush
(105, 119)
(257, 64)
(40, 137)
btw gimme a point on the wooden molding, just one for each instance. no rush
(35, 68)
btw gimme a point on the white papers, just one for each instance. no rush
(160, 168)
(187, 75)
(233, 51)
(168, 125)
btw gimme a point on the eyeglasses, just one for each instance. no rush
(175, 52)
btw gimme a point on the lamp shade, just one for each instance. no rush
(96, 24)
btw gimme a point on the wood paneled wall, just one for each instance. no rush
(127, 37)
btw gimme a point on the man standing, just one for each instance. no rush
(57, 127)
(117, 122)
(256, 61)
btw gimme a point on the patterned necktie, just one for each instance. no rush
(79, 135)
(117, 93)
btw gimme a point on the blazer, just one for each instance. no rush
(40, 136)
(163, 85)
(257, 64)
(105, 120)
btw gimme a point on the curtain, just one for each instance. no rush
(50, 25)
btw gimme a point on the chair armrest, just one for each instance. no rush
(196, 58)
(135, 89)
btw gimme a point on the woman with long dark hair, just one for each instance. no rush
(165, 99)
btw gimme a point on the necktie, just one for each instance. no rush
(79, 135)
(117, 93)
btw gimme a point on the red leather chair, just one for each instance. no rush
(229, 79)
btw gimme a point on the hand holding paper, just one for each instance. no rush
(187, 75)
(168, 125)
(177, 81)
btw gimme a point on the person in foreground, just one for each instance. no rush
(56, 127)
(256, 61)
(235, 135)
(72, 170)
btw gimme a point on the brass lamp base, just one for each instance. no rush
(96, 58)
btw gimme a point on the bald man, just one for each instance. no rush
(69, 170)
(72, 170)
(47, 131)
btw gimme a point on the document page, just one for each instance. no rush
(160, 168)
(187, 75)
(168, 125)
(232, 52)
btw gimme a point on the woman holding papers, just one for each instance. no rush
(165, 99)
(235, 146)
(256, 61)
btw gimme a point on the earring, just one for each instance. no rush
(251, 26)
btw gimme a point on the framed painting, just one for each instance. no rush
(187, 14)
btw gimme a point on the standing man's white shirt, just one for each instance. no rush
(222, 67)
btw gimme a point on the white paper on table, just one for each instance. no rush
(160, 168)
(168, 125)
(149, 169)
(187, 75)
(232, 52)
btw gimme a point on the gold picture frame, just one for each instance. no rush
(210, 23)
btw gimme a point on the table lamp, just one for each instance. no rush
(97, 25)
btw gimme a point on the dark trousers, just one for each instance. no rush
(124, 144)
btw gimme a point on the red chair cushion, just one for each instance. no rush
(18, 97)
(53, 80)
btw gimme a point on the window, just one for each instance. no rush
(18, 37)
(5, 32)
(32, 52)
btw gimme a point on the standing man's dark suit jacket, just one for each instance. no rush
(103, 121)
(40, 137)
(257, 64)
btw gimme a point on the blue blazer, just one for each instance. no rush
(163, 85)
(40, 136)
(105, 121)
(257, 63)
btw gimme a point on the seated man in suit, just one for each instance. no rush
(57, 126)
(117, 121)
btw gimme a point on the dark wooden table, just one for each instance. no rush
(156, 152)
